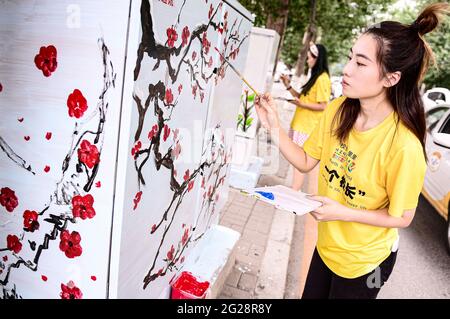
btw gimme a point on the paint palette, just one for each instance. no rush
(284, 198)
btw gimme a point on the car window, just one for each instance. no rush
(433, 116)
(446, 127)
(436, 96)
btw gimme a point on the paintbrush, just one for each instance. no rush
(237, 72)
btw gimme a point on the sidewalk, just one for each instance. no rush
(264, 265)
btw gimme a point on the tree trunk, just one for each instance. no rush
(278, 23)
(310, 35)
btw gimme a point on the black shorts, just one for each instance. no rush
(322, 283)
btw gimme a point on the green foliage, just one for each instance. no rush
(261, 9)
(244, 121)
(339, 22)
(439, 41)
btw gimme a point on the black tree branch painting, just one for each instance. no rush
(70, 200)
(200, 68)
(14, 157)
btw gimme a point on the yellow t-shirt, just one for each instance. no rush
(305, 120)
(375, 169)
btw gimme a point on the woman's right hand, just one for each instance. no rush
(285, 79)
(267, 111)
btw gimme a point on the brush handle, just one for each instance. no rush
(237, 72)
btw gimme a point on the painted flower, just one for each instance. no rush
(153, 229)
(70, 291)
(210, 62)
(46, 61)
(166, 132)
(88, 154)
(186, 175)
(211, 9)
(203, 182)
(202, 96)
(153, 132)
(172, 36)
(30, 221)
(205, 43)
(194, 55)
(169, 96)
(175, 134)
(190, 185)
(176, 151)
(194, 91)
(70, 243)
(8, 199)
(77, 104)
(185, 236)
(137, 199)
(82, 206)
(185, 36)
(180, 87)
(136, 149)
(170, 253)
(13, 243)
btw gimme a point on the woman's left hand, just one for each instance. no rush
(330, 210)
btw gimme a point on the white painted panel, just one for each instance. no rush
(90, 39)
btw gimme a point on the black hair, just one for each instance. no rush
(401, 47)
(318, 68)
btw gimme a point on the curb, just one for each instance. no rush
(271, 284)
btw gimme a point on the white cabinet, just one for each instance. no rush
(259, 73)
(114, 143)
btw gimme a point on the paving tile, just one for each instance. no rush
(233, 292)
(254, 237)
(233, 277)
(256, 251)
(247, 282)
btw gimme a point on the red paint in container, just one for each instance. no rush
(187, 287)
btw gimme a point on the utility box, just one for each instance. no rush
(116, 131)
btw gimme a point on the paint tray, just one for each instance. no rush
(284, 198)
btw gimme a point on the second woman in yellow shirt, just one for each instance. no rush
(311, 102)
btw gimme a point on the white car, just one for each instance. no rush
(436, 188)
(336, 86)
(435, 96)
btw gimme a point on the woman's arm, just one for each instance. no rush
(287, 83)
(381, 218)
(310, 106)
(294, 153)
(293, 92)
(332, 210)
(268, 114)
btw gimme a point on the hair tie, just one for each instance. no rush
(314, 50)
(415, 26)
